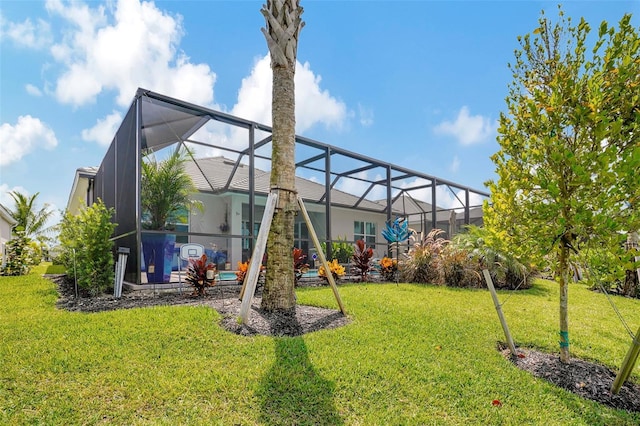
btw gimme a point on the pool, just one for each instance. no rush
(227, 276)
(311, 273)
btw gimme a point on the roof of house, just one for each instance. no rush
(220, 174)
(4, 214)
(213, 174)
(80, 186)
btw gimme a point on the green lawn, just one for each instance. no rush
(412, 355)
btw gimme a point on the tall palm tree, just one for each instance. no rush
(28, 219)
(283, 25)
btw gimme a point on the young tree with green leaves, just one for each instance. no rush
(87, 250)
(569, 145)
(283, 24)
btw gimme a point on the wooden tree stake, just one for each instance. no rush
(496, 303)
(630, 359)
(323, 259)
(251, 279)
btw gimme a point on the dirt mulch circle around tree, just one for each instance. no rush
(586, 379)
(224, 299)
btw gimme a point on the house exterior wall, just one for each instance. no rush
(5, 236)
(342, 224)
(213, 215)
(6, 224)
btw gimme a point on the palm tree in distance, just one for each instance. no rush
(29, 219)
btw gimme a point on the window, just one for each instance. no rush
(301, 236)
(365, 231)
(245, 231)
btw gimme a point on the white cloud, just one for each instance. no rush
(25, 136)
(467, 129)
(26, 34)
(366, 115)
(127, 45)
(313, 105)
(104, 130)
(455, 164)
(33, 90)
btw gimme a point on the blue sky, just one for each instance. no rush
(420, 84)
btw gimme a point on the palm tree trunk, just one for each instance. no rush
(284, 22)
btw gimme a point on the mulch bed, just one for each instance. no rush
(584, 378)
(587, 379)
(224, 299)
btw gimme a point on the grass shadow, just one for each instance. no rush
(537, 290)
(292, 392)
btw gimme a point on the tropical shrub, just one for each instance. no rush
(300, 266)
(421, 262)
(488, 251)
(340, 250)
(336, 269)
(458, 268)
(201, 274)
(18, 255)
(362, 259)
(388, 268)
(241, 273)
(86, 249)
(243, 268)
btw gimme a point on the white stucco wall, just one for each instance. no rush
(5, 235)
(208, 221)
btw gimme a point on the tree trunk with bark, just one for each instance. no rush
(283, 25)
(564, 303)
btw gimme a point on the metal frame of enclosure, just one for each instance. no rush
(155, 122)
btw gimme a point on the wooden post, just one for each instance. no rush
(496, 303)
(627, 365)
(323, 259)
(253, 271)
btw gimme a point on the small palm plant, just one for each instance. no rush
(485, 247)
(166, 190)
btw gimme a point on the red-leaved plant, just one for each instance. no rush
(201, 275)
(300, 266)
(362, 259)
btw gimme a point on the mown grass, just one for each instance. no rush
(412, 355)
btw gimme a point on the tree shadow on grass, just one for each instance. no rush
(292, 392)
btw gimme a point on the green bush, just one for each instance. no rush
(86, 237)
(488, 251)
(340, 250)
(19, 255)
(605, 266)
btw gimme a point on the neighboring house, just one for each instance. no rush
(233, 183)
(82, 190)
(6, 223)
